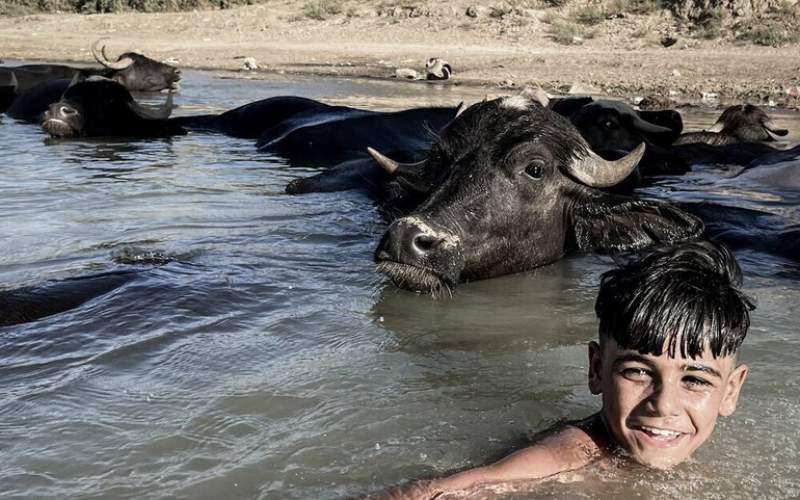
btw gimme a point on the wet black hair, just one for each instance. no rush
(682, 296)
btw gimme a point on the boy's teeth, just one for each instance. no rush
(659, 432)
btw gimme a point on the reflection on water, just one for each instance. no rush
(255, 353)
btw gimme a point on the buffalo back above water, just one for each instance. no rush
(30, 105)
(512, 186)
(249, 121)
(337, 140)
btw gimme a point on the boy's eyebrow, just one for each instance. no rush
(701, 368)
(632, 356)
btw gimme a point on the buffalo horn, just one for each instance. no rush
(717, 127)
(119, 65)
(14, 82)
(394, 167)
(595, 171)
(647, 127)
(770, 125)
(460, 109)
(75, 79)
(154, 112)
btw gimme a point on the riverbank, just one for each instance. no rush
(620, 55)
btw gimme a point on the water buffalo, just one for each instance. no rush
(133, 70)
(328, 139)
(104, 108)
(510, 186)
(743, 123)
(137, 72)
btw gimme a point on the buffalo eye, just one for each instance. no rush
(608, 124)
(534, 170)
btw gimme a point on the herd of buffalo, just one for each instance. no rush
(502, 186)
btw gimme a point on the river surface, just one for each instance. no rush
(267, 359)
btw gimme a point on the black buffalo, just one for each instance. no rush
(104, 108)
(510, 186)
(136, 72)
(743, 123)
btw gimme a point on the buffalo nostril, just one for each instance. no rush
(424, 243)
(66, 110)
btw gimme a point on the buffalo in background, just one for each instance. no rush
(36, 83)
(737, 124)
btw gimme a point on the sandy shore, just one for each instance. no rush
(623, 57)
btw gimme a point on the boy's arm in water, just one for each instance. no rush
(570, 448)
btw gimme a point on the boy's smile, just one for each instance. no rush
(659, 408)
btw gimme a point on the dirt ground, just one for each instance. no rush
(621, 56)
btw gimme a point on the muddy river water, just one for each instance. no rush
(267, 359)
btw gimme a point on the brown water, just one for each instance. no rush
(270, 361)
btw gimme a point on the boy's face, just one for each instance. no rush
(661, 409)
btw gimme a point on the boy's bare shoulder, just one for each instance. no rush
(566, 447)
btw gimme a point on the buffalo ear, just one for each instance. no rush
(607, 223)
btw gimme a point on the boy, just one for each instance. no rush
(665, 364)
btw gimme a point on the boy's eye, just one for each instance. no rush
(696, 382)
(636, 374)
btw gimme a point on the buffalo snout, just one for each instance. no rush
(419, 255)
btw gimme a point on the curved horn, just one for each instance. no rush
(75, 79)
(123, 63)
(595, 171)
(770, 125)
(647, 127)
(394, 167)
(154, 112)
(460, 109)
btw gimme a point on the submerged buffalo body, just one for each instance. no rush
(104, 108)
(22, 305)
(510, 186)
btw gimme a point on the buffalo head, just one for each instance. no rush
(613, 125)
(100, 107)
(137, 72)
(510, 186)
(747, 123)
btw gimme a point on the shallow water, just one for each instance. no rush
(268, 360)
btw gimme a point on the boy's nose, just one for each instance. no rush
(666, 400)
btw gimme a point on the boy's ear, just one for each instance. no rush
(607, 223)
(732, 389)
(595, 368)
